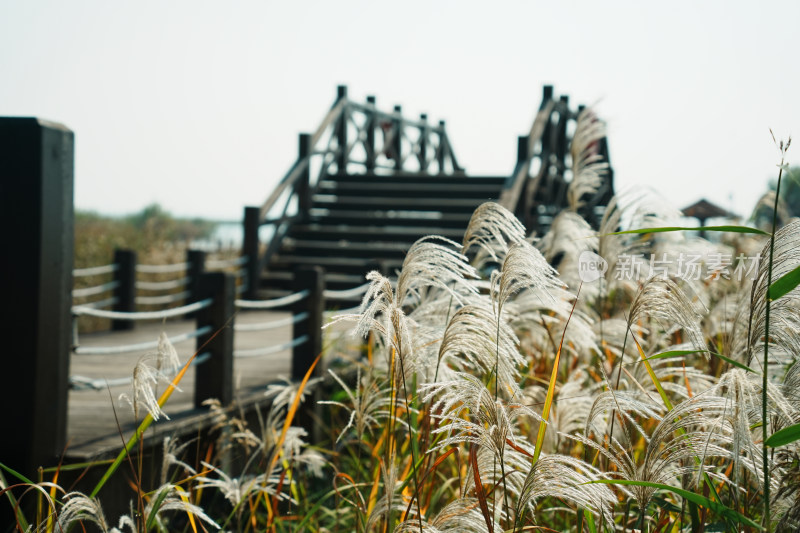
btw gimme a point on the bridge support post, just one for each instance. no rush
(250, 249)
(441, 153)
(370, 141)
(423, 143)
(125, 291)
(36, 208)
(214, 377)
(304, 181)
(341, 132)
(313, 280)
(397, 139)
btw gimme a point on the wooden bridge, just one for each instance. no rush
(366, 185)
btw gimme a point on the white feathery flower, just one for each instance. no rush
(492, 228)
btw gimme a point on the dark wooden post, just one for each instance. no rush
(196, 259)
(441, 155)
(36, 208)
(397, 141)
(214, 377)
(547, 94)
(125, 292)
(423, 143)
(312, 279)
(370, 127)
(304, 181)
(523, 149)
(341, 132)
(250, 249)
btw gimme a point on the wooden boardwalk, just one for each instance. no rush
(92, 428)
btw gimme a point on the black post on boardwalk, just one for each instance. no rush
(214, 376)
(125, 291)
(250, 249)
(36, 208)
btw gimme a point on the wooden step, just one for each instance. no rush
(341, 265)
(397, 218)
(439, 204)
(360, 233)
(344, 247)
(410, 179)
(463, 189)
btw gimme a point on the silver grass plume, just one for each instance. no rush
(470, 344)
(79, 507)
(785, 311)
(237, 489)
(565, 478)
(661, 302)
(679, 446)
(492, 228)
(588, 166)
(174, 498)
(369, 404)
(148, 372)
(523, 268)
(469, 413)
(460, 515)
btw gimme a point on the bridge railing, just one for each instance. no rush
(352, 137)
(537, 188)
(127, 286)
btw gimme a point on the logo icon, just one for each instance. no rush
(591, 266)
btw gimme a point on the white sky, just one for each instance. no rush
(197, 105)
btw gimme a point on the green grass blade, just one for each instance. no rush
(16, 474)
(722, 510)
(17, 510)
(652, 374)
(784, 436)
(680, 353)
(732, 229)
(784, 284)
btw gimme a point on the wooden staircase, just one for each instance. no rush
(368, 184)
(361, 222)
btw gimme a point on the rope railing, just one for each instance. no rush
(272, 324)
(166, 299)
(140, 346)
(80, 310)
(162, 285)
(162, 269)
(82, 383)
(334, 313)
(101, 303)
(346, 294)
(273, 303)
(95, 290)
(94, 271)
(268, 350)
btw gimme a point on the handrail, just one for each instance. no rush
(80, 310)
(140, 346)
(162, 269)
(512, 190)
(94, 271)
(162, 285)
(93, 291)
(275, 302)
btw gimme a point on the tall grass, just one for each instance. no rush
(485, 389)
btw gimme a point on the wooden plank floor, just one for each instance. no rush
(92, 428)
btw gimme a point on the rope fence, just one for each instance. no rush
(94, 271)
